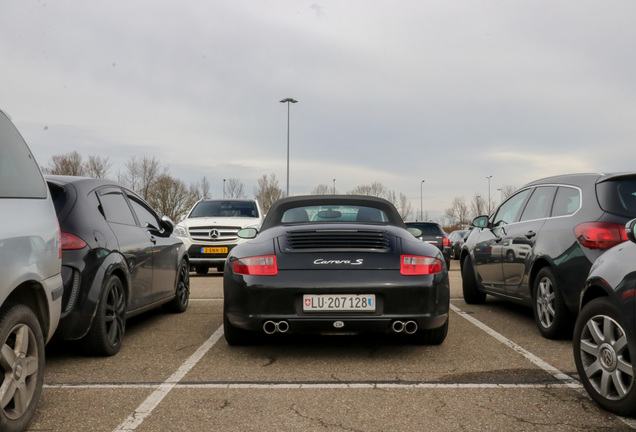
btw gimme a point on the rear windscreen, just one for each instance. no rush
(618, 196)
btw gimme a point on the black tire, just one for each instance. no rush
(472, 295)
(553, 318)
(237, 336)
(432, 337)
(109, 324)
(22, 353)
(201, 270)
(599, 339)
(182, 291)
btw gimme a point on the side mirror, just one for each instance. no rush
(167, 225)
(630, 227)
(480, 222)
(247, 233)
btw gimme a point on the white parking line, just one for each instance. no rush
(147, 406)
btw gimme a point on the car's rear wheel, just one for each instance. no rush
(182, 293)
(201, 270)
(109, 325)
(432, 337)
(603, 358)
(237, 336)
(21, 366)
(472, 295)
(554, 319)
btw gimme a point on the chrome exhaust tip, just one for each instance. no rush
(270, 327)
(410, 327)
(397, 326)
(282, 326)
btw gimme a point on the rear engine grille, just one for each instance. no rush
(374, 240)
(214, 233)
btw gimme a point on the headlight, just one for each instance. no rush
(180, 231)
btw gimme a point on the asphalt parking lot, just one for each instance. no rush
(176, 373)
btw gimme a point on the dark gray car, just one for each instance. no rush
(31, 285)
(537, 247)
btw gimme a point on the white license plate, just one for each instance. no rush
(342, 302)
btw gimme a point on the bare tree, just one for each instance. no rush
(322, 189)
(267, 191)
(67, 164)
(457, 213)
(235, 189)
(506, 192)
(141, 175)
(478, 205)
(375, 189)
(97, 166)
(405, 207)
(170, 197)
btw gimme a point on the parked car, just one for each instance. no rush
(119, 259)
(30, 282)
(537, 247)
(605, 332)
(433, 233)
(456, 240)
(310, 271)
(209, 230)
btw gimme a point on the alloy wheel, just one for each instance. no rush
(19, 361)
(545, 302)
(115, 313)
(605, 357)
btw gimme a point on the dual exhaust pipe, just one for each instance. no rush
(271, 327)
(408, 327)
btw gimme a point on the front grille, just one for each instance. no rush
(374, 240)
(214, 233)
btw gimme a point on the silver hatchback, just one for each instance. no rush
(30, 283)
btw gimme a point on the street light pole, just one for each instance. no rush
(287, 101)
(334, 186)
(421, 202)
(489, 177)
(223, 188)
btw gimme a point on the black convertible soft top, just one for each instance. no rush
(275, 214)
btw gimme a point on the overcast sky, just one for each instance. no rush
(449, 92)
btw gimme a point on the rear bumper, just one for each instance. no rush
(250, 301)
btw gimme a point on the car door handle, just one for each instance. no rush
(498, 239)
(530, 234)
(153, 240)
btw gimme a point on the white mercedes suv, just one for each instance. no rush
(209, 230)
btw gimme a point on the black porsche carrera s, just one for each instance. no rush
(334, 264)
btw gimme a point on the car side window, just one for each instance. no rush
(20, 176)
(539, 204)
(114, 206)
(145, 216)
(566, 202)
(508, 211)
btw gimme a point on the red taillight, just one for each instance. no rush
(72, 242)
(446, 241)
(257, 266)
(600, 235)
(419, 265)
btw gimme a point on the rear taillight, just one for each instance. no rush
(256, 266)
(72, 242)
(600, 235)
(419, 265)
(446, 241)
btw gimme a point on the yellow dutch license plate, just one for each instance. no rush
(213, 250)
